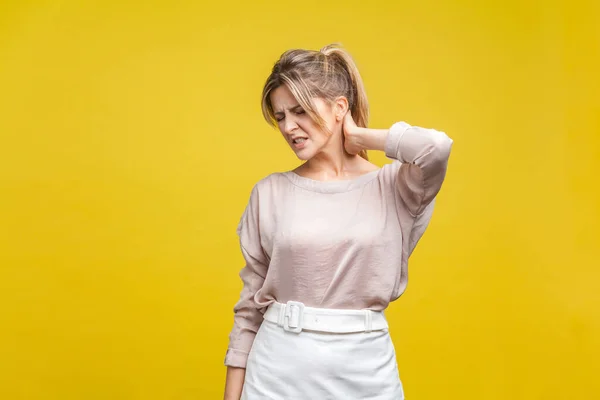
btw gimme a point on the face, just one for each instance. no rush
(303, 135)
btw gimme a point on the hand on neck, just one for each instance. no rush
(333, 162)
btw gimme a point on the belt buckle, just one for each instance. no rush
(289, 315)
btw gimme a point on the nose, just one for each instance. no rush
(290, 125)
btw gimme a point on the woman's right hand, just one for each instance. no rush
(350, 131)
(234, 383)
(357, 139)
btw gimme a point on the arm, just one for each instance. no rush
(234, 383)
(424, 155)
(247, 317)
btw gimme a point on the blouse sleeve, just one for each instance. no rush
(247, 316)
(424, 155)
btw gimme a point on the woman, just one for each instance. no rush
(327, 244)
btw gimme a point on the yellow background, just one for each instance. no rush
(131, 136)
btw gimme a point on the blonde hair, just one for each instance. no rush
(327, 74)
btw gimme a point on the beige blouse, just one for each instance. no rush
(337, 244)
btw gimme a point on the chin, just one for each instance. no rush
(305, 155)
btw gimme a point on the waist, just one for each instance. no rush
(295, 317)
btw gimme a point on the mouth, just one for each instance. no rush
(299, 142)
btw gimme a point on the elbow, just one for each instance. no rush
(441, 148)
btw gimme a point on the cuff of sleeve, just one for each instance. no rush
(236, 358)
(392, 143)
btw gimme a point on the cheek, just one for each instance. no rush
(316, 134)
(327, 113)
(313, 130)
(330, 121)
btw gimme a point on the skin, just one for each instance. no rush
(327, 157)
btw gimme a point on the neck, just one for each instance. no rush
(333, 162)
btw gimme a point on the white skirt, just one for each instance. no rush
(316, 365)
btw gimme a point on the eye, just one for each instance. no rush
(299, 111)
(279, 119)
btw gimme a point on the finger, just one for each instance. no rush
(348, 120)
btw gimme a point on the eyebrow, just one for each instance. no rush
(289, 109)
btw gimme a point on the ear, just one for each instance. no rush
(340, 108)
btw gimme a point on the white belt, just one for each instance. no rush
(295, 317)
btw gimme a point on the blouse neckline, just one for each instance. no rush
(333, 186)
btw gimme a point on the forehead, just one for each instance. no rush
(282, 99)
